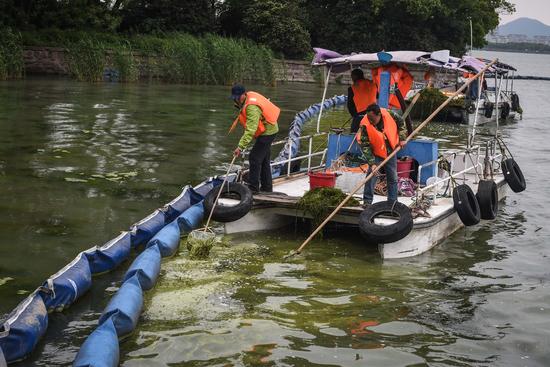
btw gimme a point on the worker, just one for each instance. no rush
(258, 116)
(361, 94)
(378, 135)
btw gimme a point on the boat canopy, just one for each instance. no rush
(436, 61)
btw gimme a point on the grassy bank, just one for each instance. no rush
(11, 55)
(172, 57)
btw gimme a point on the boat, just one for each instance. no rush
(447, 179)
(493, 99)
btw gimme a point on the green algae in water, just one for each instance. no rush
(199, 244)
(320, 202)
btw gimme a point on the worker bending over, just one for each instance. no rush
(258, 116)
(379, 135)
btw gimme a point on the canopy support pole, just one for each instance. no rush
(323, 100)
(476, 114)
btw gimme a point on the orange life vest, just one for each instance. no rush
(378, 138)
(270, 112)
(399, 75)
(364, 94)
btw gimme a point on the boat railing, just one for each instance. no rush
(472, 162)
(310, 153)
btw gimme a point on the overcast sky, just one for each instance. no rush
(536, 9)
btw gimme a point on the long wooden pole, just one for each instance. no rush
(219, 193)
(392, 154)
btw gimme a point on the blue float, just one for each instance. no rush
(146, 228)
(3, 362)
(167, 239)
(292, 147)
(176, 207)
(65, 286)
(125, 307)
(110, 255)
(100, 349)
(23, 328)
(191, 218)
(146, 266)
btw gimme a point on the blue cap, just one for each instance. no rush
(237, 91)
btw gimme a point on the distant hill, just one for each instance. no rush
(527, 26)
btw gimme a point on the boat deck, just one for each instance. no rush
(288, 191)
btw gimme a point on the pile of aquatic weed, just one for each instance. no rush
(430, 99)
(321, 201)
(11, 54)
(199, 244)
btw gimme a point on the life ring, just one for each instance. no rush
(487, 198)
(229, 213)
(513, 175)
(466, 205)
(386, 233)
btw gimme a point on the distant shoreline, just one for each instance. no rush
(519, 47)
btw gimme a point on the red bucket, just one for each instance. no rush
(404, 168)
(321, 179)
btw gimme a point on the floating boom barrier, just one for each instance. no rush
(160, 234)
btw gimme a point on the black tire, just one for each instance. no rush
(466, 205)
(226, 213)
(488, 109)
(487, 198)
(505, 111)
(513, 175)
(390, 233)
(470, 107)
(515, 102)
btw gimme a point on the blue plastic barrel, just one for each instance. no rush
(100, 349)
(146, 266)
(191, 218)
(145, 229)
(125, 307)
(167, 239)
(180, 204)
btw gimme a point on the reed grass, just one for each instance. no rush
(87, 59)
(11, 54)
(170, 57)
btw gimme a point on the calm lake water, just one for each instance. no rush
(481, 298)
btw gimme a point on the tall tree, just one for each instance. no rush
(373, 25)
(192, 16)
(278, 24)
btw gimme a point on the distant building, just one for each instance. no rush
(494, 37)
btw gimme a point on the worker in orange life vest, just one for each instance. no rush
(361, 94)
(379, 135)
(258, 116)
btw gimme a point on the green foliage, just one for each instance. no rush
(87, 59)
(519, 47)
(11, 54)
(124, 61)
(321, 201)
(277, 23)
(189, 16)
(372, 25)
(66, 14)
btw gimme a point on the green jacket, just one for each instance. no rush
(253, 116)
(365, 143)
